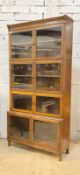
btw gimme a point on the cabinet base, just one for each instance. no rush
(26, 123)
(9, 143)
(59, 154)
(67, 151)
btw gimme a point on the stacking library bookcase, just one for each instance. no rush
(40, 84)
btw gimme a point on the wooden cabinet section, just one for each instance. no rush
(40, 83)
(38, 132)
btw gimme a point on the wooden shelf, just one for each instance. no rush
(22, 75)
(52, 76)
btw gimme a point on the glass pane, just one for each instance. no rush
(48, 104)
(19, 127)
(48, 77)
(22, 76)
(45, 132)
(49, 42)
(22, 45)
(23, 102)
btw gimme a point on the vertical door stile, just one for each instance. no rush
(61, 79)
(11, 101)
(31, 130)
(61, 105)
(34, 44)
(34, 76)
(62, 47)
(10, 74)
(33, 103)
(34, 69)
(60, 140)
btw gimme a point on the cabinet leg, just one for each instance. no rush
(60, 156)
(67, 151)
(9, 143)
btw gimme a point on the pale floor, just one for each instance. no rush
(18, 160)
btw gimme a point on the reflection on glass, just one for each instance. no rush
(48, 105)
(45, 132)
(22, 76)
(49, 42)
(19, 127)
(48, 76)
(51, 84)
(23, 102)
(22, 45)
(49, 69)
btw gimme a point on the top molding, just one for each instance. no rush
(59, 19)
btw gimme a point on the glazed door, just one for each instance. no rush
(48, 105)
(46, 42)
(19, 127)
(21, 102)
(49, 76)
(49, 42)
(21, 76)
(45, 133)
(21, 45)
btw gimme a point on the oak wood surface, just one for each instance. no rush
(61, 119)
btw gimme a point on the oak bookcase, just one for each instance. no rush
(40, 84)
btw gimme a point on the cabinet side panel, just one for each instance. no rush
(68, 40)
(67, 85)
